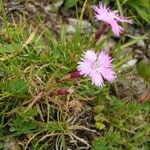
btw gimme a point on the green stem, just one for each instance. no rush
(2, 9)
(119, 7)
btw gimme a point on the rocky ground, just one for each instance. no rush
(51, 14)
(54, 14)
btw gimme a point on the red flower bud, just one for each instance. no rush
(75, 74)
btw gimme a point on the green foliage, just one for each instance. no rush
(10, 48)
(28, 69)
(99, 125)
(15, 87)
(126, 123)
(109, 141)
(70, 3)
(140, 7)
(99, 144)
(99, 117)
(53, 126)
(143, 69)
(23, 122)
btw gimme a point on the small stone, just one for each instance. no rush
(70, 29)
(31, 8)
(86, 27)
(141, 44)
(54, 7)
(108, 44)
(130, 64)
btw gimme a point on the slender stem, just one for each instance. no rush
(4, 18)
(119, 7)
(81, 15)
(82, 11)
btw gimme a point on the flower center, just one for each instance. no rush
(96, 67)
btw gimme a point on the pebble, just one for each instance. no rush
(141, 44)
(70, 29)
(86, 26)
(109, 44)
(130, 64)
(54, 7)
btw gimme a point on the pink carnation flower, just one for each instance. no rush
(97, 66)
(110, 17)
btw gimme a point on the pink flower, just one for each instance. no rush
(97, 66)
(110, 17)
